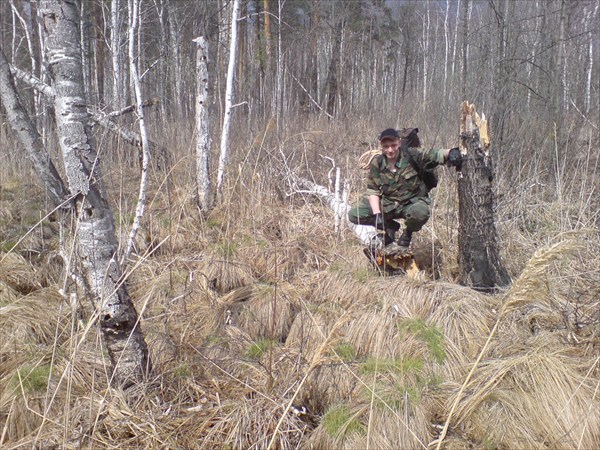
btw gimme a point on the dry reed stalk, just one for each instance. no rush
(531, 285)
(535, 398)
(522, 292)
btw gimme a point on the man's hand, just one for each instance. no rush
(455, 158)
(379, 223)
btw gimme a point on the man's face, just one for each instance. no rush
(390, 148)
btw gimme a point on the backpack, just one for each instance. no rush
(409, 137)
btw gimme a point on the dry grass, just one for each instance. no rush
(269, 330)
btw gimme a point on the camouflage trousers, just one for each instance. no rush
(415, 214)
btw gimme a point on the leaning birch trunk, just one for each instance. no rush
(228, 99)
(202, 134)
(96, 242)
(32, 141)
(340, 207)
(479, 260)
(137, 87)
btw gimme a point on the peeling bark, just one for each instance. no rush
(96, 238)
(202, 123)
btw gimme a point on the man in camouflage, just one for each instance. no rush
(395, 190)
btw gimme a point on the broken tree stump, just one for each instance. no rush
(479, 261)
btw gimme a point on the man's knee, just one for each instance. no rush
(416, 215)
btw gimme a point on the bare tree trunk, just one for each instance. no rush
(479, 261)
(96, 239)
(228, 98)
(134, 11)
(29, 136)
(118, 94)
(590, 60)
(202, 132)
(465, 50)
(332, 75)
(175, 56)
(267, 36)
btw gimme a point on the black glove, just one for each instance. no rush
(455, 158)
(379, 223)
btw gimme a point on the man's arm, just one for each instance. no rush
(429, 159)
(375, 204)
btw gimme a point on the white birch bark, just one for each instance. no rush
(446, 46)
(100, 117)
(588, 81)
(95, 238)
(224, 154)
(115, 44)
(365, 233)
(175, 55)
(202, 130)
(336, 196)
(455, 40)
(28, 135)
(426, 45)
(134, 9)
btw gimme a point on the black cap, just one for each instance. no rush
(389, 133)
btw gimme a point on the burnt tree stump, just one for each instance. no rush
(479, 261)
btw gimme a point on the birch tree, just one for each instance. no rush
(134, 9)
(202, 130)
(224, 154)
(115, 44)
(28, 135)
(96, 243)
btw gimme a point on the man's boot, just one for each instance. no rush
(405, 238)
(390, 234)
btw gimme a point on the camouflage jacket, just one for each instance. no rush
(399, 188)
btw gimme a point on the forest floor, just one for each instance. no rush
(267, 329)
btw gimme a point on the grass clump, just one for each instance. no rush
(31, 379)
(183, 371)
(345, 351)
(398, 366)
(259, 348)
(339, 421)
(429, 334)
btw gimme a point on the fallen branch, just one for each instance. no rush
(338, 205)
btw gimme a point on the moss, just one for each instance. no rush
(338, 421)
(431, 335)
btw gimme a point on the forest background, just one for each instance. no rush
(265, 325)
